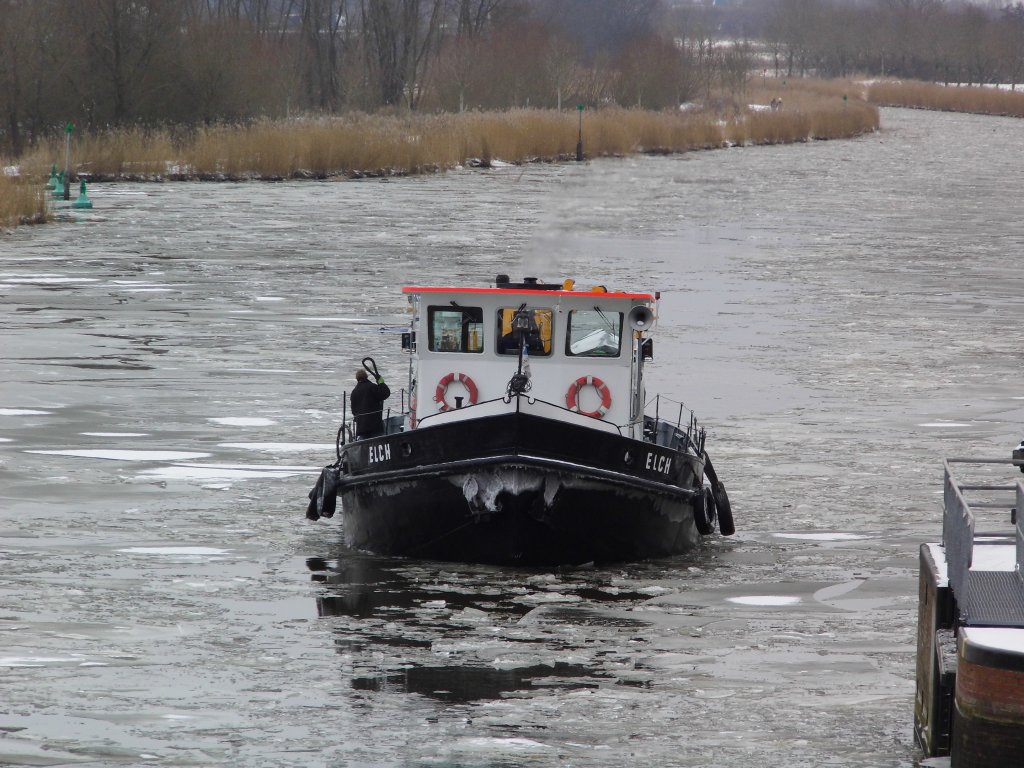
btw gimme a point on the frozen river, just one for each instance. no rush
(841, 315)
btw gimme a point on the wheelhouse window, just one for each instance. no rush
(532, 326)
(455, 329)
(594, 333)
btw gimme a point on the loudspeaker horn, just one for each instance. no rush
(640, 318)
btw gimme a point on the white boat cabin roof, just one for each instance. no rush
(581, 347)
(596, 292)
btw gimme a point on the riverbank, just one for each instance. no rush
(947, 98)
(358, 146)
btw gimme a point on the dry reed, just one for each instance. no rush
(385, 144)
(359, 145)
(985, 101)
(809, 110)
(22, 201)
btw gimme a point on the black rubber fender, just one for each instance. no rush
(704, 513)
(726, 526)
(327, 498)
(323, 499)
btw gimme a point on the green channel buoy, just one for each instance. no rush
(58, 189)
(83, 200)
(51, 184)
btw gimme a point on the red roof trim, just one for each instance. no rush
(531, 291)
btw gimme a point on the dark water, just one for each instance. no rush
(840, 314)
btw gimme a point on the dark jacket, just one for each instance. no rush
(367, 400)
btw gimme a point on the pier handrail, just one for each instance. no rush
(958, 523)
(957, 532)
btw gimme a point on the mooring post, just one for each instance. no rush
(579, 141)
(68, 129)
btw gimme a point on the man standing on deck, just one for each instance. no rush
(367, 400)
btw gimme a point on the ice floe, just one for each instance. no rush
(261, 370)
(279, 447)
(242, 421)
(224, 472)
(177, 551)
(129, 286)
(37, 661)
(121, 455)
(821, 536)
(491, 745)
(767, 600)
(46, 280)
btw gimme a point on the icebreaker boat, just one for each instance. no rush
(526, 436)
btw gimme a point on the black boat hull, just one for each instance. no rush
(517, 489)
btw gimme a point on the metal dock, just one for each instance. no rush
(969, 700)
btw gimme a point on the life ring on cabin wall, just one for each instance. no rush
(572, 396)
(442, 389)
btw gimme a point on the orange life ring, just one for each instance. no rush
(572, 396)
(442, 388)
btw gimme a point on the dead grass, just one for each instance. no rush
(359, 144)
(985, 101)
(810, 110)
(22, 201)
(132, 152)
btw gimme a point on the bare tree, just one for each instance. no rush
(977, 49)
(841, 44)
(648, 69)
(561, 63)
(734, 65)
(323, 25)
(399, 36)
(1010, 44)
(793, 24)
(13, 53)
(474, 16)
(910, 29)
(511, 72)
(120, 41)
(600, 26)
(226, 71)
(460, 67)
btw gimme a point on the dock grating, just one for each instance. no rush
(993, 599)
